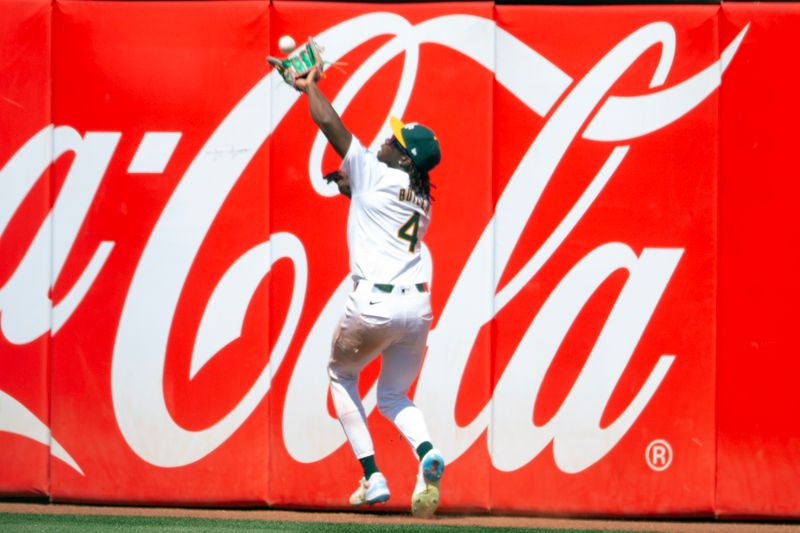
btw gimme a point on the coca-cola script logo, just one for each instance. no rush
(571, 108)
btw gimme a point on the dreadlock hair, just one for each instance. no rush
(420, 182)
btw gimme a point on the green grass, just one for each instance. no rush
(30, 523)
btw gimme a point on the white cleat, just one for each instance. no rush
(371, 491)
(425, 499)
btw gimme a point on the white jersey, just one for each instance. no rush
(386, 223)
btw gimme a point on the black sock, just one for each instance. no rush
(368, 464)
(424, 448)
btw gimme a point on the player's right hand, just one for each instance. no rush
(311, 77)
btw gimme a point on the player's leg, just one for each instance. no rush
(400, 366)
(355, 344)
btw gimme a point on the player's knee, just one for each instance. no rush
(338, 373)
(333, 373)
(390, 404)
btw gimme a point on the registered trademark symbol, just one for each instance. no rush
(658, 455)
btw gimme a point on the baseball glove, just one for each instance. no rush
(299, 63)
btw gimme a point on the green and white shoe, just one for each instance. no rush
(371, 491)
(427, 491)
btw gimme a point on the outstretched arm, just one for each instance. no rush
(323, 114)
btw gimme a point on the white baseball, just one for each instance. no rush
(286, 44)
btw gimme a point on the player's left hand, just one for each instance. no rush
(301, 67)
(341, 179)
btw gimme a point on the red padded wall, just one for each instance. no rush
(141, 398)
(25, 192)
(610, 282)
(612, 247)
(757, 341)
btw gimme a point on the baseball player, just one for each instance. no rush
(389, 309)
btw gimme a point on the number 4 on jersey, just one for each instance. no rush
(409, 231)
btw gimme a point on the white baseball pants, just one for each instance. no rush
(396, 325)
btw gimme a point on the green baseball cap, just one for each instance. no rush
(419, 141)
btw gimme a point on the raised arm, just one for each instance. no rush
(323, 114)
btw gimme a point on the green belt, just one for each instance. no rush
(388, 287)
